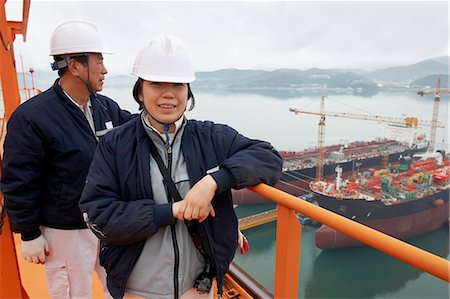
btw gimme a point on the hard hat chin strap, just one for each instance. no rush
(88, 81)
(166, 126)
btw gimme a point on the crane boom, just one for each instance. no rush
(409, 121)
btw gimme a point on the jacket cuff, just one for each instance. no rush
(28, 236)
(224, 180)
(163, 215)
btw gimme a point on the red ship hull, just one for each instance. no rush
(403, 228)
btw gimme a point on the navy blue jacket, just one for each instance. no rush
(48, 149)
(119, 204)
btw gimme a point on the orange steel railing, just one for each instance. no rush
(289, 236)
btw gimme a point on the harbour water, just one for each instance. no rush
(360, 272)
(345, 273)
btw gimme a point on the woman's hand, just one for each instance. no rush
(197, 203)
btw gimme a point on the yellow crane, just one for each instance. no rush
(434, 121)
(412, 122)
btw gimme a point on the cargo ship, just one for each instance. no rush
(406, 199)
(299, 168)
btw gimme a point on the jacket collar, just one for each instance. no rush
(60, 92)
(98, 108)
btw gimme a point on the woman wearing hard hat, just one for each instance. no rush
(158, 193)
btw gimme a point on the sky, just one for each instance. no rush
(251, 34)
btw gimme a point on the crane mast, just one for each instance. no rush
(434, 120)
(319, 169)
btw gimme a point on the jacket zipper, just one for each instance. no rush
(172, 227)
(174, 233)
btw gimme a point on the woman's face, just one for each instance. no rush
(164, 101)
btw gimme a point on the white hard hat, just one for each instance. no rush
(76, 36)
(164, 59)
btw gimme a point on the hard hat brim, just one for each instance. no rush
(60, 53)
(168, 79)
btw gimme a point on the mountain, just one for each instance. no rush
(300, 81)
(430, 81)
(296, 81)
(409, 73)
(224, 77)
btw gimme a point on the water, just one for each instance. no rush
(360, 272)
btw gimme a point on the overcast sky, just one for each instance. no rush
(251, 35)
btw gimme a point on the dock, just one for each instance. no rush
(257, 219)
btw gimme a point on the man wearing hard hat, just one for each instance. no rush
(49, 146)
(158, 192)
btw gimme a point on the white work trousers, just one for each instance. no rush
(72, 259)
(189, 294)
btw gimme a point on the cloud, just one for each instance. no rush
(255, 34)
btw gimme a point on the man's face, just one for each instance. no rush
(97, 71)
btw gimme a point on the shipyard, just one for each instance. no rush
(361, 209)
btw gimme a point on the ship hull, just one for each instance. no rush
(296, 182)
(403, 227)
(363, 210)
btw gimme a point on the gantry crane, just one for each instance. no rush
(434, 121)
(408, 122)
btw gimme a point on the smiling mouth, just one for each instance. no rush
(167, 106)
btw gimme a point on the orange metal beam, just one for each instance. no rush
(21, 27)
(287, 253)
(8, 74)
(25, 14)
(11, 286)
(405, 252)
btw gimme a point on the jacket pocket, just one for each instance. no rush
(70, 193)
(104, 248)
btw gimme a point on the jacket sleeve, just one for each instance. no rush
(114, 219)
(246, 161)
(23, 171)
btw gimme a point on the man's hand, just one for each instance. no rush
(197, 203)
(242, 243)
(34, 251)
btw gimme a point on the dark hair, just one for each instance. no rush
(82, 58)
(137, 91)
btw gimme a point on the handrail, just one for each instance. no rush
(403, 251)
